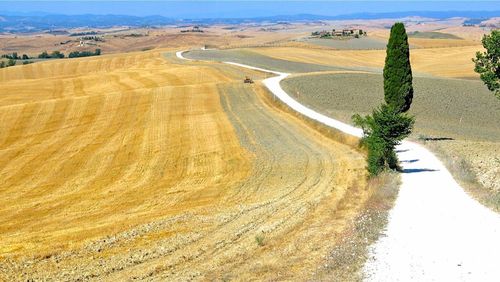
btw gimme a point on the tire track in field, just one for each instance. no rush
(172, 179)
(273, 211)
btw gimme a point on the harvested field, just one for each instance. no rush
(421, 43)
(117, 40)
(432, 35)
(138, 166)
(452, 62)
(257, 60)
(363, 43)
(450, 108)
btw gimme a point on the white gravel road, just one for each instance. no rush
(436, 232)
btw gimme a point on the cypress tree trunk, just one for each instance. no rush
(398, 88)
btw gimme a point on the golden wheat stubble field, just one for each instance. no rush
(137, 165)
(451, 62)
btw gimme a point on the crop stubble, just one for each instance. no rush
(136, 166)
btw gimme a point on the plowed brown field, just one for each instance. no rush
(136, 165)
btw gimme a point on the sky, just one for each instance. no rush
(236, 9)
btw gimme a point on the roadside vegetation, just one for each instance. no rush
(346, 260)
(389, 124)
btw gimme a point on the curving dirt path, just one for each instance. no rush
(436, 232)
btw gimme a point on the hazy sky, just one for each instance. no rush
(231, 8)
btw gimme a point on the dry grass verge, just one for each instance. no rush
(345, 262)
(329, 132)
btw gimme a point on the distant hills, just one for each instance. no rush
(31, 22)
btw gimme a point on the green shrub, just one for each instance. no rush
(383, 131)
(260, 240)
(11, 63)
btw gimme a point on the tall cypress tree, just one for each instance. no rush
(398, 88)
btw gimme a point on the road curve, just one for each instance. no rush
(436, 232)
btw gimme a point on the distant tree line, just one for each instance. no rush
(77, 54)
(339, 33)
(84, 33)
(12, 58)
(94, 38)
(53, 55)
(74, 54)
(15, 56)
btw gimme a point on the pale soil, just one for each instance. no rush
(140, 166)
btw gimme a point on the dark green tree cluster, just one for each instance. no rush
(15, 56)
(488, 63)
(389, 124)
(77, 54)
(12, 56)
(10, 63)
(53, 55)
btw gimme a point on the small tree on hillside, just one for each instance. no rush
(398, 88)
(488, 63)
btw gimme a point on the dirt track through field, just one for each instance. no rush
(135, 166)
(465, 246)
